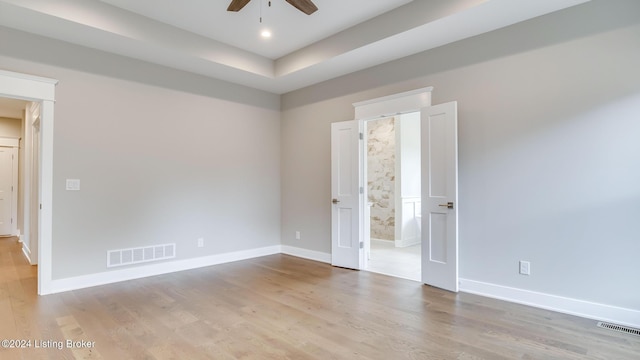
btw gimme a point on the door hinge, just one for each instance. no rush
(361, 244)
(361, 190)
(361, 136)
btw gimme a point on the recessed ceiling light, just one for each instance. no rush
(265, 34)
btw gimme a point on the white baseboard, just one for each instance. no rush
(26, 252)
(307, 254)
(586, 309)
(407, 242)
(109, 277)
(565, 305)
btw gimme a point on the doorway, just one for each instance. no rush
(40, 91)
(438, 208)
(393, 194)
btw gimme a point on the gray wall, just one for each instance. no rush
(161, 157)
(549, 157)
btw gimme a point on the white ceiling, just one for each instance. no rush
(200, 36)
(291, 28)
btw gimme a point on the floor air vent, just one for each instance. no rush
(619, 328)
(140, 255)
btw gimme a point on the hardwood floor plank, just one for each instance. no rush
(282, 307)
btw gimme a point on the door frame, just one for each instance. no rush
(41, 90)
(365, 209)
(381, 108)
(384, 107)
(32, 193)
(398, 199)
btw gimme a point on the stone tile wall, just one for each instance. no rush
(381, 164)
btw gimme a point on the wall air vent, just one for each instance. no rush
(138, 255)
(619, 328)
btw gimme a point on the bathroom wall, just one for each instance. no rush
(381, 165)
(408, 183)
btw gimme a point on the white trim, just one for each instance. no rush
(109, 277)
(45, 239)
(12, 142)
(26, 87)
(582, 308)
(570, 306)
(307, 254)
(395, 104)
(26, 252)
(402, 243)
(383, 240)
(28, 77)
(42, 90)
(394, 96)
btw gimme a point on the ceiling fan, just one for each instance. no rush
(306, 6)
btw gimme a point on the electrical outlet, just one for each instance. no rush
(297, 235)
(525, 267)
(200, 242)
(73, 184)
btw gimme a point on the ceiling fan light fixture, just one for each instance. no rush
(306, 6)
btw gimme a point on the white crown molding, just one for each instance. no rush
(401, 32)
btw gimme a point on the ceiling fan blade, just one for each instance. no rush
(306, 6)
(237, 5)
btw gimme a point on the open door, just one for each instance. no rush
(346, 198)
(440, 196)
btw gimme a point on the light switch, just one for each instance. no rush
(73, 184)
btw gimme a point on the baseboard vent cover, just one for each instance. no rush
(138, 255)
(619, 328)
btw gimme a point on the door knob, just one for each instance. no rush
(335, 201)
(449, 205)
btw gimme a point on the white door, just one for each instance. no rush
(440, 196)
(346, 200)
(6, 189)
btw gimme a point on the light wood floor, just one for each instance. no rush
(282, 307)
